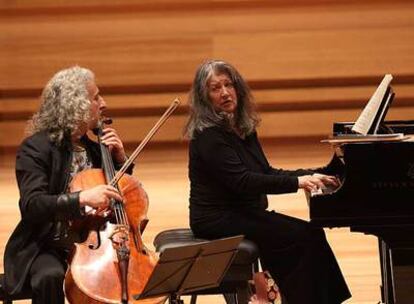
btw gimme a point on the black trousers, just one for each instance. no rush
(46, 278)
(296, 254)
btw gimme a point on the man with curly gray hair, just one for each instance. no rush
(56, 149)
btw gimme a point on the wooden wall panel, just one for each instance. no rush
(322, 54)
(302, 112)
(133, 48)
(121, 51)
(302, 58)
(316, 124)
(320, 42)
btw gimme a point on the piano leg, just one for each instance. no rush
(387, 288)
(403, 274)
(397, 272)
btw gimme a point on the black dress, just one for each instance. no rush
(230, 178)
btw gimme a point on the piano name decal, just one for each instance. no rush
(397, 184)
(393, 185)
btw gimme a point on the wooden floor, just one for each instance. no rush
(163, 173)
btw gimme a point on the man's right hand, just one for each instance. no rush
(99, 197)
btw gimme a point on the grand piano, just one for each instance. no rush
(376, 197)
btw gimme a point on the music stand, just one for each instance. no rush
(188, 268)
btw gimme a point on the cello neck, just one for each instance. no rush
(109, 172)
(107, 163)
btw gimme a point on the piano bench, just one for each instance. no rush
(8, 299)
(235, 284)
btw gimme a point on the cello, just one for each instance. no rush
(112, 263)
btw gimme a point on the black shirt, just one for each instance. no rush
(230, 173)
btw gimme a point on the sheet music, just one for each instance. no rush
(366, 118)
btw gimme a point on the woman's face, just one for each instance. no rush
(222, 93)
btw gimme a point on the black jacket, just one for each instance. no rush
(42, 172)
(227, 173)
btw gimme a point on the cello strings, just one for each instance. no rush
(120, 213)
(110, 172)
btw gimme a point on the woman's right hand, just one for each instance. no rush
(99, 197)
(316, 181)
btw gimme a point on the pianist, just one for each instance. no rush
(230, 177)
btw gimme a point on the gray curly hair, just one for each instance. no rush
(202, 113)
(64, 104)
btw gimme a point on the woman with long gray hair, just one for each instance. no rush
(230, 178)
(56, 149)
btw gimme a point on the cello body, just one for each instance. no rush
(94, 274)
(111, 264)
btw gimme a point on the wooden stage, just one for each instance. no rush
(163, 173)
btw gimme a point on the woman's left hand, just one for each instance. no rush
(114, 143)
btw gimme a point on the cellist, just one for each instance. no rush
(57, 149)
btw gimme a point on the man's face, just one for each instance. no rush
(97, 105)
